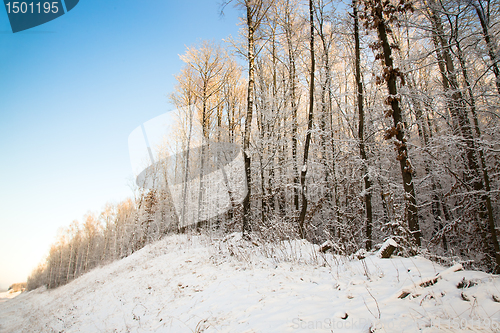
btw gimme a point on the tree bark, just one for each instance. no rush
(293, 102)
(248, 119)
(361, 128)
(398, 128)
(303, 172)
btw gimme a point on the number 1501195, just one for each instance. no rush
(31, 7)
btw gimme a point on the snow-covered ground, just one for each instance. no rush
(194, 283)
(6, 295)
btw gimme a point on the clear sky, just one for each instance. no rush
(71, 91)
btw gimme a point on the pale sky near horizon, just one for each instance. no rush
(71, 91)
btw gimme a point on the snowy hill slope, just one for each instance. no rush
(193, 284)
(6, 295)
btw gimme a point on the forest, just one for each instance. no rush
(358, 121)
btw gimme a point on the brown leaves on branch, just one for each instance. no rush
(394, 131)
(375, 11)
(392, 98)
(375, 46)
(387, 73)
(390, 133)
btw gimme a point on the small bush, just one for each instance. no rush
(18, 287)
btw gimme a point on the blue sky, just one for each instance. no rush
(71, 91)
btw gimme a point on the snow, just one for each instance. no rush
(4, 296)
(187, 283)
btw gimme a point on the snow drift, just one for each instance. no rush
(189, 283)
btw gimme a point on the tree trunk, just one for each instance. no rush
(361, 128)
(248, 119)
(293, 103)
(398, 128)
(309, 128)
(326, 119)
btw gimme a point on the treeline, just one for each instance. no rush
(358, 121)
(116, 232)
